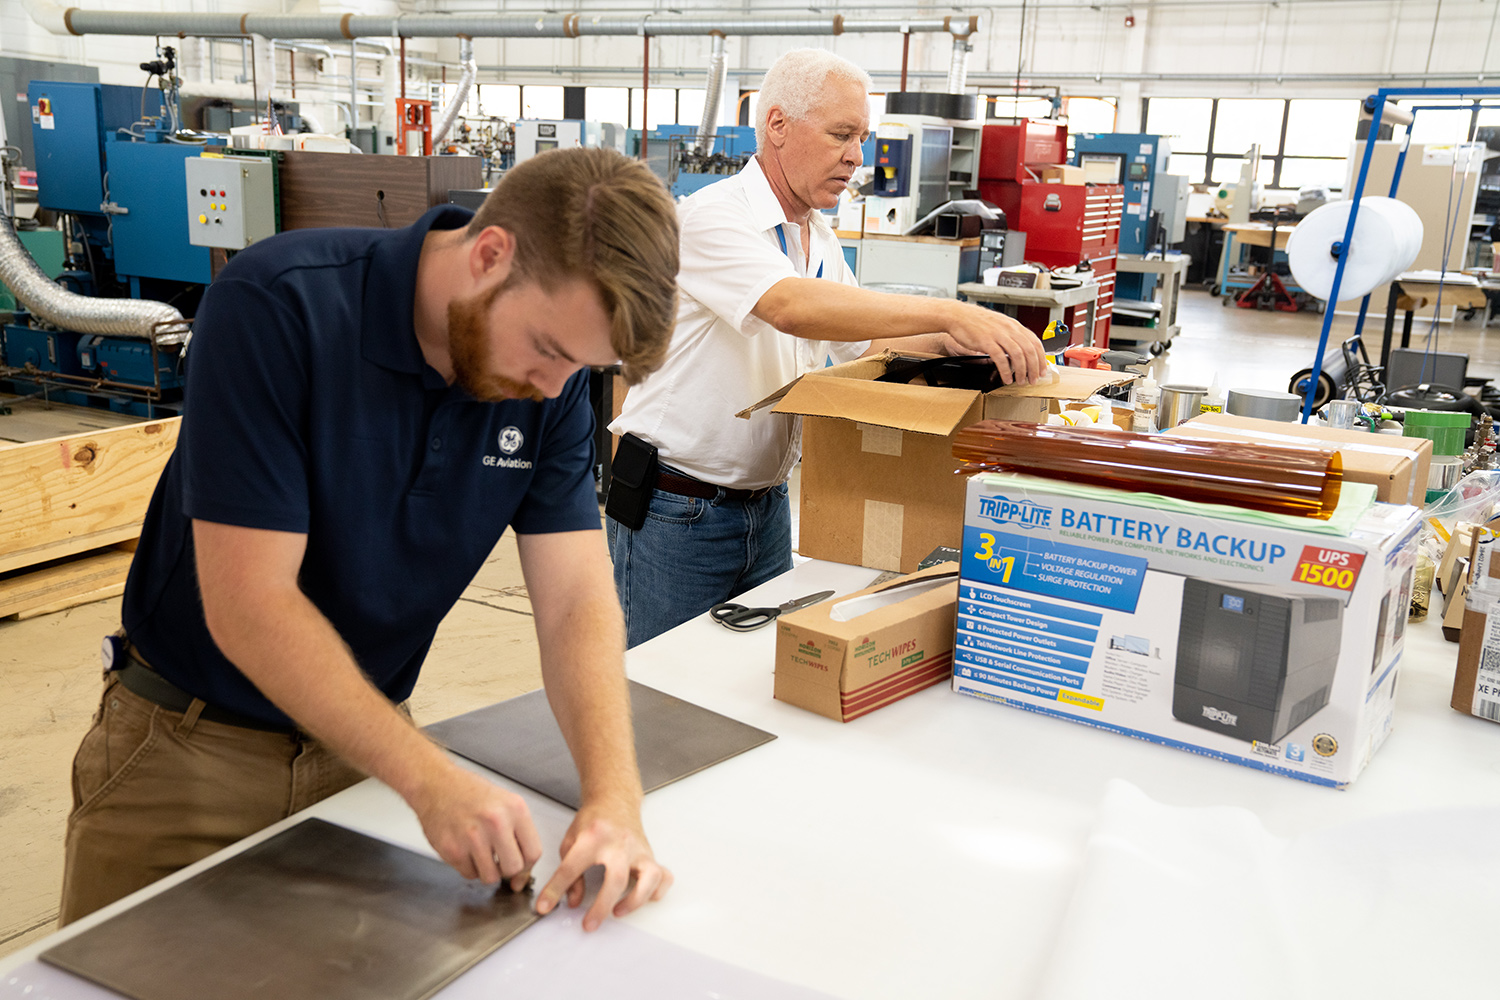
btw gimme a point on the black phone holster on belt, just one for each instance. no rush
(633, 480)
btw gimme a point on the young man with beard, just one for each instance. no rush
(765, 297)
(367, 412)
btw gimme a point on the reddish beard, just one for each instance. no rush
(469, 351)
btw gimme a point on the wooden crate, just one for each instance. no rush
(66, 496)
(65, 583)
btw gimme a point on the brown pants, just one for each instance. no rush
(155, 791)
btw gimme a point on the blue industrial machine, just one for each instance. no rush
(1135, 161)
(686, 170)
(107, 160)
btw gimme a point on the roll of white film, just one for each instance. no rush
(1387, 239)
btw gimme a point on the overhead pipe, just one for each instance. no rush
(718, 69)
(81, 313)
(346, 27)
(449, 114)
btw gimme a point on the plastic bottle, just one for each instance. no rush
(1146, 395)
(1213, 399)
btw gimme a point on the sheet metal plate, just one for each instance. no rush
(317, 912)
(519, 738)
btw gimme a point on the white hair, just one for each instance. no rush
(795, 83)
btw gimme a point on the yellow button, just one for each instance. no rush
(203, 220)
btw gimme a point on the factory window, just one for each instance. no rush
(1301, 172)
(690, 107)
(1241, 123)
(1320, 128)
(1090, 114)
(500, 100)
(1438, 125)
(1302, 142)
(1010, 106)
(1193, 166)
(661, 107)
(539, 101)
(607, 104)
(1188, 120)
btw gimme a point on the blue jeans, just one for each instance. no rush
(692, 554)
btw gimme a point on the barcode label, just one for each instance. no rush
(1487, 684)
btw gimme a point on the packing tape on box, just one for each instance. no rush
(1387, 238)
(881, 543)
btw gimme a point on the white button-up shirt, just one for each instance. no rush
(722, 357)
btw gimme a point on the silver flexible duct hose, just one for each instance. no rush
(718, 68)
(449, 115)
(80, 313)
(958, 69)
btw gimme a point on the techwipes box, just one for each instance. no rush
(879, 485)
(847, 657)
(1264, 645)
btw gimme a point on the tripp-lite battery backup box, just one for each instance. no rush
(1200, 627)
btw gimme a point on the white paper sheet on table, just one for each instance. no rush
(1188, 902)
(553, 958)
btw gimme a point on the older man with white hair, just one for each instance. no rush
(699, 510)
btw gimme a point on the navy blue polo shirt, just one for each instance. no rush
(310, 409)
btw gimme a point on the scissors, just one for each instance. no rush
(742, 619)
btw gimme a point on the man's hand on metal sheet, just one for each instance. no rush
(611, 837)
(482, 830)
(1016, 351)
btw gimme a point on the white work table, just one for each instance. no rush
(947, 847)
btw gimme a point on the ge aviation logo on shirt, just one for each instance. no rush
(510, 442)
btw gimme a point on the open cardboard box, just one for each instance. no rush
(847, 668)
(1396, 466)
(879, 482)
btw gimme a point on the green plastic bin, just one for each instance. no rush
(1444, 428)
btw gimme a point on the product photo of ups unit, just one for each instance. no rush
(1253, 663)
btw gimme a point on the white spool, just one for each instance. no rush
(1387, 239)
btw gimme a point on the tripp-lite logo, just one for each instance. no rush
(1220, 716)
(1022, 513)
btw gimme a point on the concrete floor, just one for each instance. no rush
(485, 651)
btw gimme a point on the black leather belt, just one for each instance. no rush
(139, 679)
(683, 486)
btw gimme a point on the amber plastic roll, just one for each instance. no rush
(1280, 480)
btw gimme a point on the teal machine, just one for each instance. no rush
(1136, 161)
(672, 152)
(105, 159)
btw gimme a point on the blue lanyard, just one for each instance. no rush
(782, 237)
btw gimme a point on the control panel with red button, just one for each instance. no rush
(231, 200)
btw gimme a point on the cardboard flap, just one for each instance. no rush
(820, 616)
(918, 408)
(860, 368)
